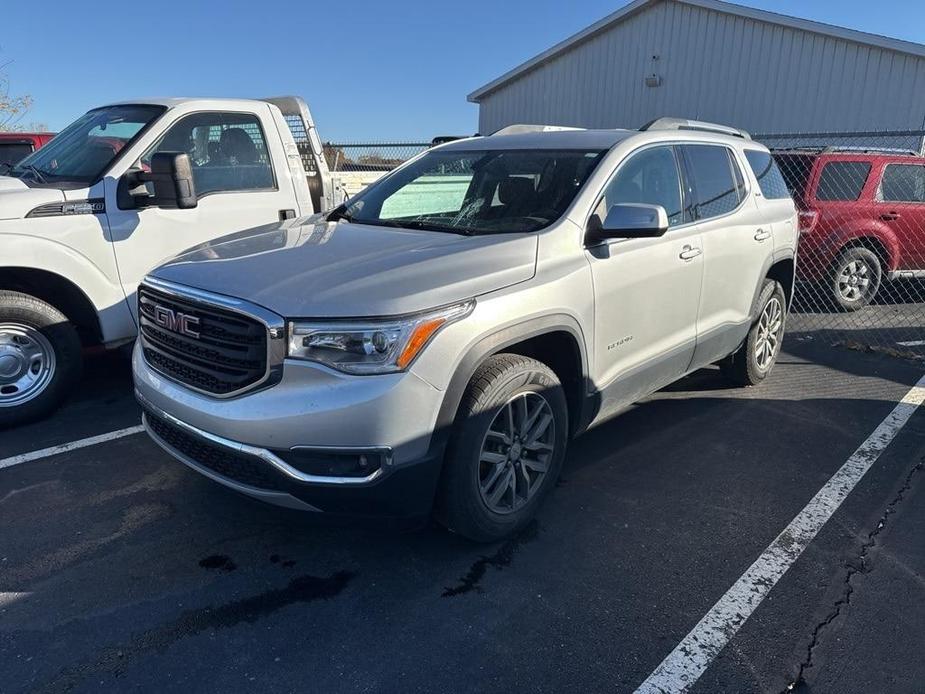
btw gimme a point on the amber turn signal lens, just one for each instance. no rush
(419, 337)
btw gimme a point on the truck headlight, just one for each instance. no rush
(370, 347)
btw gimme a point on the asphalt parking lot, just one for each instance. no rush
(121, 570)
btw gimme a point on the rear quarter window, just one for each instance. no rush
(770, 179)
(842, 180)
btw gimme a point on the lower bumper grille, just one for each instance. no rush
(239, 467)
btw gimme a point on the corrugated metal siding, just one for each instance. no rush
(718, 67)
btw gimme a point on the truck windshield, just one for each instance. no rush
(84, 150)
(476, 191)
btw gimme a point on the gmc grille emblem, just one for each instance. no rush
(175, 321)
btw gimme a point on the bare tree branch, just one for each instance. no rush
(12, 108)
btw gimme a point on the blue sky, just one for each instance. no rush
(369, 70)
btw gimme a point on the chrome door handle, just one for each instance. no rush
(689, 253)
(762, 235)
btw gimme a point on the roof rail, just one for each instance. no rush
(685, 124)
(520, 128)
(847, 149)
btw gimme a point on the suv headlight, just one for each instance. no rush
(370, 347)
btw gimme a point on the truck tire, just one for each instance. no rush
(855, 278)
(506, 449)
(40, 358)
(752, 362)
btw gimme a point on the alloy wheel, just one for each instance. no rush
(854, 280)
(770, 327)
(516, 453)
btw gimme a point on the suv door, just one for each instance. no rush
(236, 183)
(646, 291)
(737, 243)
(900, 205)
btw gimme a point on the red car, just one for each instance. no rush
(14, 147)
(862, 219)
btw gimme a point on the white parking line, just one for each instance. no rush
(687, 662)
(65, 447)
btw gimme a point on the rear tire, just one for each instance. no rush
(855, 278)
(40, 358)
(506, 448)
(752, 362)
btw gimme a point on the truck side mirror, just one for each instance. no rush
(172, 176)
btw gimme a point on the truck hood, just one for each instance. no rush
(17, 199)
(319, 269)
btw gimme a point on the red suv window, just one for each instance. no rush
(903, 183)
(842, 180)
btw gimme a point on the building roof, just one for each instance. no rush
(610, 20)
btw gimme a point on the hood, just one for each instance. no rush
(319, 269)
(17, 199)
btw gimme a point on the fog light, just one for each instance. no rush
(325, 463)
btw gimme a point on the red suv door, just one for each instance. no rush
(900, 204)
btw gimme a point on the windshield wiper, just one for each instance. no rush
(426, 226)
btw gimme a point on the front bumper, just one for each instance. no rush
(242, 442)
(406, 492)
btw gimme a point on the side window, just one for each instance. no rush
(903, 183)
(714, 187)
(770, 179)
(228, 151)
(842, 180)
(650, 176)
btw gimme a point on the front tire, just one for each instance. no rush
(506, 449)
(40, 358)
(753, 361)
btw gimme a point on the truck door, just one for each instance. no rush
(240, 184)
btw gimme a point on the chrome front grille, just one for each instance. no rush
(194, 340)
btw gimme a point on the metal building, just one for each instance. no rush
(715, 61)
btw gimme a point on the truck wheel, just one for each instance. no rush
(506, 449)
(855, 278)
(40, 358)
(752, 362)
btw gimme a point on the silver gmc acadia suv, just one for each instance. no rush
(435, 342)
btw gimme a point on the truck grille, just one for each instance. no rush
(221, 352)
(238, 467)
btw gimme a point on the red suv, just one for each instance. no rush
(862, 219)
(14, 147)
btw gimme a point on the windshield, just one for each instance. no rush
(476, 192)
(84, 150)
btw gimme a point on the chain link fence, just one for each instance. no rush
(356, 165)
(861, 261)
(375, 156)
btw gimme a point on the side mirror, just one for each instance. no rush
(172, 176)
(631, 220)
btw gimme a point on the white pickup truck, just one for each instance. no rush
(115, 193)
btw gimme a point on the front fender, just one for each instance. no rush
(96, 277)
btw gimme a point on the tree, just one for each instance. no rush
(12, 108)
